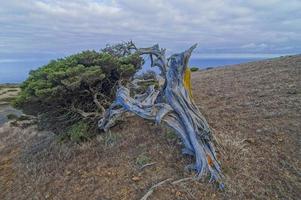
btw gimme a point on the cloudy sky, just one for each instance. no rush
(44, 29)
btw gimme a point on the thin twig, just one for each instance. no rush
(151, 190)
(83, 113)
(147, 165)
(181, 180)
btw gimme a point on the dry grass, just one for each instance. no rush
(253, 108)
(8, 93)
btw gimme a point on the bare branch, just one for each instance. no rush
(83, 113)
(182, 180)
(147, 165)
(98, 104)
(151, 190)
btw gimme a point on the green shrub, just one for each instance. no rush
(171, 135)
(194, 69)
(76, 88)
(78, 132)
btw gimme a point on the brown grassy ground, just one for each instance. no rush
(253, 108)
(8, 92)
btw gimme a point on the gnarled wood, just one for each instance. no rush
(172, 104)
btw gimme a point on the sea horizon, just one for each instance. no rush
(17, 71)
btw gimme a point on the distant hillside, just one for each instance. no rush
(254, 110)
(8, 92)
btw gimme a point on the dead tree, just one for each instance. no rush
(172, 104)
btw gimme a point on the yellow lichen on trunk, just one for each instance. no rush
(187, 81)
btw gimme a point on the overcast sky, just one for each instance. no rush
(32, 29)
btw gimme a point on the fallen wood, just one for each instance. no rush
(151, 190)
(173, 105)
(182, 180)
(147, 165)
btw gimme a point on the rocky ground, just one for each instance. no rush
(254, 110)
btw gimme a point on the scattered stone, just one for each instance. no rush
(136, 178)
(250, 140)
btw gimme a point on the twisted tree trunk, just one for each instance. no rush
(172, 103)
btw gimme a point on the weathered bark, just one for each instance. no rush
(172, 104)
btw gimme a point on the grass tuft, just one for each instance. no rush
(110, 139)
(142, 159)
(78, 132)
(171, 135)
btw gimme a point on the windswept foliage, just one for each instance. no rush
(194, 69)
(78, 87)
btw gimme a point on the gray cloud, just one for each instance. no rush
(219, 26)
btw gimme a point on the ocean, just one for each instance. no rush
(17, 71)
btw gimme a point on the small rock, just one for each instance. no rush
(136, 178)
(250, 140)
(178, 193)
(47, 196)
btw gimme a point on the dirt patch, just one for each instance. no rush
(254, 110)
